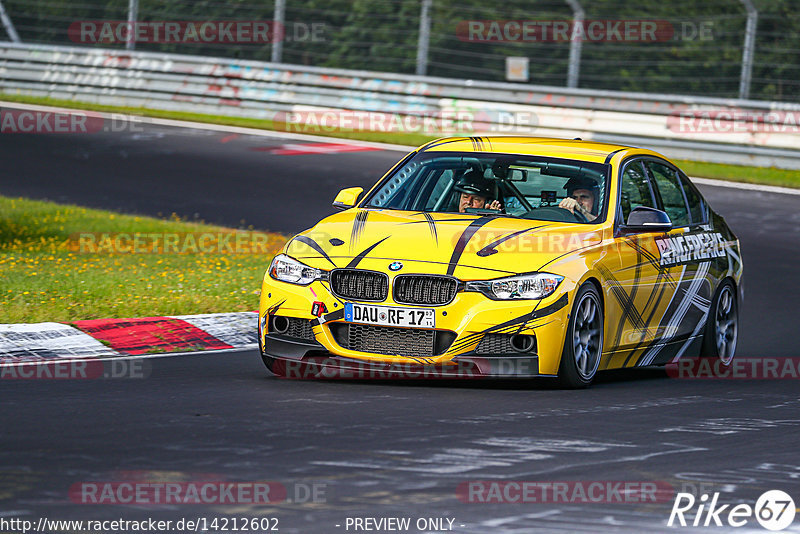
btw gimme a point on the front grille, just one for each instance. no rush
(501, 344)
(298, 329)
(424, 289)
(494, 344)
(392, 341)
(358, 284)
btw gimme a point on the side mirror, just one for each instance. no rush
(347, 198)
(644, 219)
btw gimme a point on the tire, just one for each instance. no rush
(583, 345)
(722, 326)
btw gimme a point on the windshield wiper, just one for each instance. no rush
(484, 211)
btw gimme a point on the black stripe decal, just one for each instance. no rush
(488, 269)
(359, 221)
(637, 275)
(611, 155)
(662, 287)
(568, 253)
(652, 259)
(490, 249)
(313, 244)
(514, 325)
(552, 308)
(355, 261)
(629, 310)
(663, 280)
(464, 219)
(432, 226)
(434, 144)
(464, 239)
(271, 310)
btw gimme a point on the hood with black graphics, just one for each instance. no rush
(469, 247)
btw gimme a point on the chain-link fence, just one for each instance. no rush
(721, 48)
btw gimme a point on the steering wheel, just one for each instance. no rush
(581, 218)
(556, 214)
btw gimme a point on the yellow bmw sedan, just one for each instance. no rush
(506, 257)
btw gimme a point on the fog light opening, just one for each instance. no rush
(522, 342)
(280, 324)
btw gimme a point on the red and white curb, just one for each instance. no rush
(109, 338)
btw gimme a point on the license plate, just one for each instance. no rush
(389, 316)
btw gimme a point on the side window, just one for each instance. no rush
(439, 187)
(634, 190)
(697, 208)
(671, 192)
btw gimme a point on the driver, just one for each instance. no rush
(476, 192)
(581, 196)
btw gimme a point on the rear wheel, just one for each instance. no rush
(722, 326)
(584, 340)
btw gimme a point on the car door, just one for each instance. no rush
(636, 284)
(685, 253)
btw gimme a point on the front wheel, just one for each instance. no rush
(584, 340)
(722, 326)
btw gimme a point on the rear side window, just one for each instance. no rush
(672, 195)
(697, 208)
(635, 190)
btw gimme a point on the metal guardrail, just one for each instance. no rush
(266, 90)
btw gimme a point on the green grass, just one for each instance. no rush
(738, 173)
(45, 278)
(410, 139)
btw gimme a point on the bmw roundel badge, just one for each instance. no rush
(395, 266)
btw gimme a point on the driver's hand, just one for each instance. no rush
(494, 205)
(570, 204)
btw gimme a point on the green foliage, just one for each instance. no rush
(702, 57)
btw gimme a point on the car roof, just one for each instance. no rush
(538, 146)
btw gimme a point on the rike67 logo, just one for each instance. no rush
(774, 510)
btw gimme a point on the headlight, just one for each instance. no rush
(287, 269)
(522, 287)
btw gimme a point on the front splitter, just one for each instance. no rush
(309, 361)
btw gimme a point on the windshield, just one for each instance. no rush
(529, 187)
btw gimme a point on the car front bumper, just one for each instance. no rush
(469, 318)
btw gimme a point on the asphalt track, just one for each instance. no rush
(379, 448)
